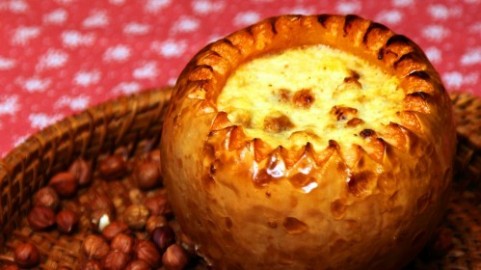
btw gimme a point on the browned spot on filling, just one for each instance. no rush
(284, 95)
(353, 78)
(354, 74)
(303, 98)
(275, 124)
(343, 112)
(358, 183)
(367, 133)
(354, 122)
(338, 208)
(294, 226)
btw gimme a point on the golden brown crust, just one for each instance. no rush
(252, 205)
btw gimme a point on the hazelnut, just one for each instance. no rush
(102, 201)
(138, 265)
(120, 200)
(66, 220)
(122, 242)
(82, 172)
(158, 204)
(91, 265)
(135, 195)
(163, 237)
(41, 218)
(154, 222)
(46, 197)
(99, 219)
(95, 247)
(146, 251)
(175, 258)
(147, 175)
(26, 255)
(136, 216)
(115, 260)
(113, 229)
(64, 184)
(113, 167)
(103, 210)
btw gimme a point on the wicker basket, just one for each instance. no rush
(467, 110)
(132, 122)
(135, 122)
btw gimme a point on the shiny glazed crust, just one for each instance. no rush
(376, 204)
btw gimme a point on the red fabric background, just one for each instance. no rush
(59, 56)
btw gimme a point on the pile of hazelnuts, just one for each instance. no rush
(143, 235)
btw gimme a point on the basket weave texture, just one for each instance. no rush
(467, 111)
(135, 122)
(132, 122)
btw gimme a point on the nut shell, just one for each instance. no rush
(82, 171)
(113, 167)
(64, 183)
(115, 228)
(47, 197)
(136, 215)
(67, 221)
(122, 242)
(95, 247)
(175, 258)
(27, 255)
(147, 175)
(241, 199)
(115, 260)
(138, 265)
(41, 218)
(146, 251)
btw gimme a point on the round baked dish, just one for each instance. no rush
(309, 142)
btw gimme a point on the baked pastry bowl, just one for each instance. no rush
(306, 142)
